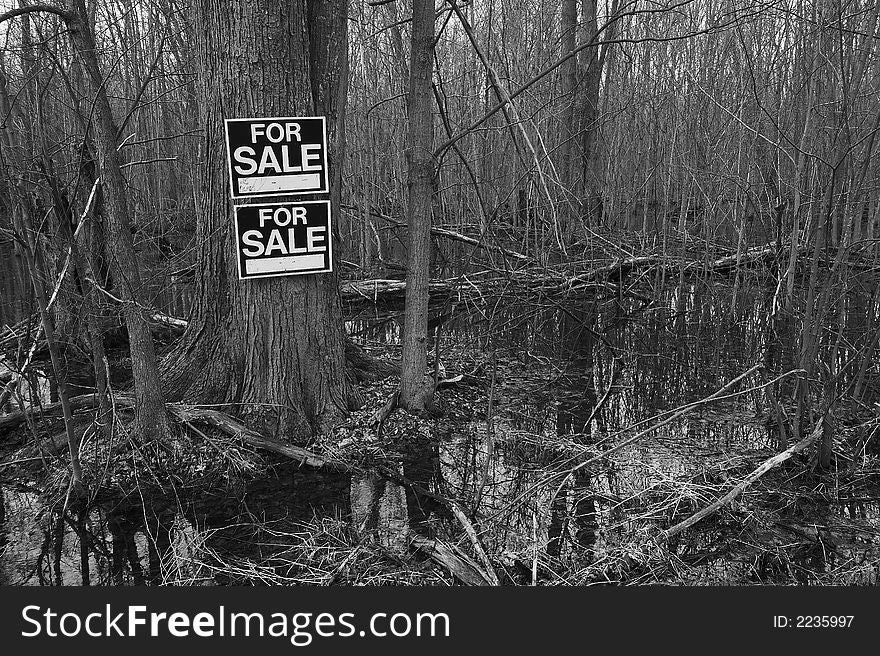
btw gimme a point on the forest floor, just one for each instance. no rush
(547, 461)
(794, 525)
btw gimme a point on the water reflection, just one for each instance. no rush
(158, 539)
(563, 381)
(557, 364)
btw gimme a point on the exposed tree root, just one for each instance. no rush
(226, 424)
(188, 414)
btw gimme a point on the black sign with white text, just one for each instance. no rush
(277, 155)
(283, 239)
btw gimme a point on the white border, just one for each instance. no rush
(329, 268)
(325, 188)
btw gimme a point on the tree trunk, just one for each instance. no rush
(414, 394)
(276, 345)
(588, 115)
(569, 148)
(328, 60)
(150, 407)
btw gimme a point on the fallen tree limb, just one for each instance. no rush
(748, 256)
(226, 424)
(675, 414)
(40, 346)
(172, 323)
(488, 571)
(378, 418)
(455, 236)
(672, 415)
(355, 291)
(233, 428)
(230, 426)
(766, 466)
(82, 402)
(623, 267)
(458, 565)
(618, 268)
(450, 234)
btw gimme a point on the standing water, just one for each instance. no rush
(534, 393)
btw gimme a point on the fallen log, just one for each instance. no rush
(77, 403)
(461, 567)
(375, 290)
(748, 256)
(621, 268)
(368, 367)
(157, 320)
(616, 268)
(766, 466)
(175, 325)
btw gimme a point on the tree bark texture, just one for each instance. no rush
(123, 260)
(569, 133)
(420, 170)
(276, 346)
(588, 118)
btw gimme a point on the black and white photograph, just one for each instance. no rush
(437, 294)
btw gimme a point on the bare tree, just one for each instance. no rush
(124, 263)
(415, 391)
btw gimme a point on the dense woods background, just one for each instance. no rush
(624, 212)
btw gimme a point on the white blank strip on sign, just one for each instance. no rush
(276, 183)
(284, 264)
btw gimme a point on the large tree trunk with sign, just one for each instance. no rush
(274, 346)
(415, 391)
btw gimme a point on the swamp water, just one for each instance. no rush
(543, 389)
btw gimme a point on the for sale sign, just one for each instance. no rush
(283, 239)
(277, 156)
